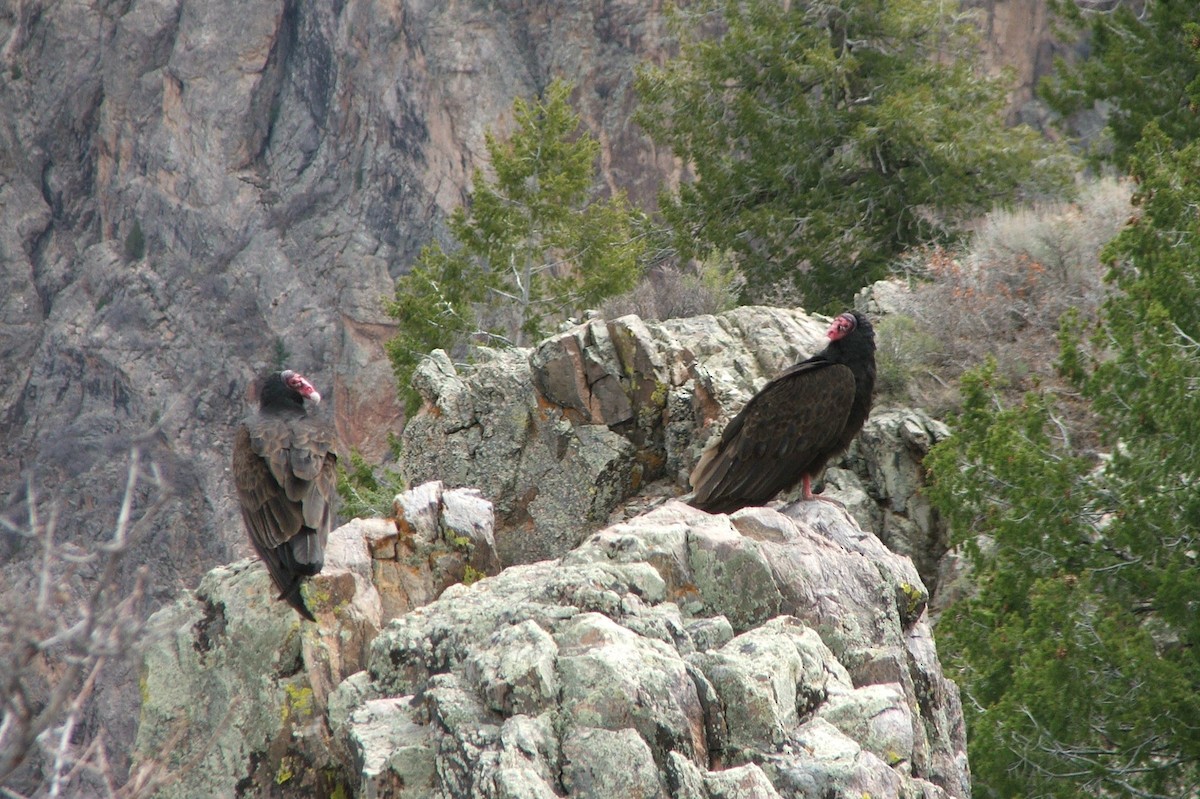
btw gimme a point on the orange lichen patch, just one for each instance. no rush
(685, 593)
(705, 402)
(383, 547)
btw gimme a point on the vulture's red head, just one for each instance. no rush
(299, 384)
(286, 390)
(842, 326)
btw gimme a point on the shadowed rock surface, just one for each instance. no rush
(677, 654)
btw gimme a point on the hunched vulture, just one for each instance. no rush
(798, 421)
(284, 467)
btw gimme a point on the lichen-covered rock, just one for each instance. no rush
(835, 765)
(438, 538)
(605, 763)
(252, 681)
(642, 664)
(392, 754)
(881, 484)
(517, 673)
(602, 664)
(765, 680)
(548, 478)
(677, 654)
(711, 655)
(561, 435)
(236, 683)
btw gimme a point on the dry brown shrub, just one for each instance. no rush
(671, 292)
(1005, 292)
(67, 622)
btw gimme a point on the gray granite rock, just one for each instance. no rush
(646, 662)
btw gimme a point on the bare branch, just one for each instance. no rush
(53, 653)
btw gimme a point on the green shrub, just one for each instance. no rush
(135, 243)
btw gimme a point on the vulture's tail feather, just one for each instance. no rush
(294, 598)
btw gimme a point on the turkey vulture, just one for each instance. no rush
(796, 423)
(284, 468)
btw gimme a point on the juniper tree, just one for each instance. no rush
(1141, 66)
(533, 244)
(827, 136)
(1079, 656)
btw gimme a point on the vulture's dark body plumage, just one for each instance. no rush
(284, 467)
(796, 423)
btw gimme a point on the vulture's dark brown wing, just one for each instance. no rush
(285, 471)
(786, 430)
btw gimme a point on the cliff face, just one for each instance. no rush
(1017, 35)
(190, 191)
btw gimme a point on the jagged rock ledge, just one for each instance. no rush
(677, 654)
(562, 436)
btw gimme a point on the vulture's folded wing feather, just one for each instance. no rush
(764, 449)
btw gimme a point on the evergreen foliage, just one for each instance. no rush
(1142, 65)
(367, 493)
(533, 245)
(827, 137)
(1080, 653)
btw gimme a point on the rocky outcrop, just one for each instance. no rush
(561, 436)
(677, 654)
(235, 686)
(880, 482)
(566, 432)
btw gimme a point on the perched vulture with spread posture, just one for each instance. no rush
(796, 423)
(284, 468)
